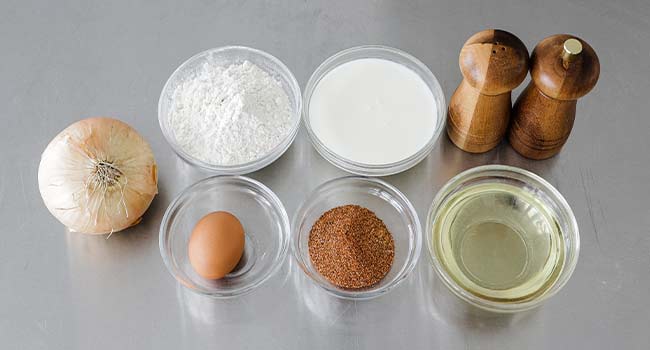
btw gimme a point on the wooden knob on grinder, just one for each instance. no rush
(493, 62)
(563, 69)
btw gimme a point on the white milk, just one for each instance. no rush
(373, 111)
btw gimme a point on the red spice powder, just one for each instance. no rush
(351, 247)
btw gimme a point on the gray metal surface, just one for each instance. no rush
(64, 60)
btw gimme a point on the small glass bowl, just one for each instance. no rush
(225, 56)
(390, 54)
(266, 227)
(531, 183)
(387, 202)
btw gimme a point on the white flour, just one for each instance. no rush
(230, 115)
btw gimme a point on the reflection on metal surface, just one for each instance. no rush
(323, 306)
(204, 310)
(207, 311)
(446, 307)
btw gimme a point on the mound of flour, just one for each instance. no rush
(229, 115)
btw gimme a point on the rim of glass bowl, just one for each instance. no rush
(387, 53)
(257, 164)
(560, 207)
(415, 238)
(182, 200)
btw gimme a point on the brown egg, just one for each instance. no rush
(216, 244)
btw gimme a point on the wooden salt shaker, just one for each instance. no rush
(563, 69)
(493, 62)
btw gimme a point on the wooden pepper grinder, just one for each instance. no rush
(493, 62)
(563, 69)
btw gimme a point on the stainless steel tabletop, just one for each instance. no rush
(61, 61)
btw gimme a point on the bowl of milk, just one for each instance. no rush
(373, 110)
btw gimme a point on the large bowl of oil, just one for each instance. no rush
(502, 238)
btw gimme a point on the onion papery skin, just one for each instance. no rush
(98, 176)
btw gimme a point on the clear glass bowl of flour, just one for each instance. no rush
(373, 110)
(225, 57)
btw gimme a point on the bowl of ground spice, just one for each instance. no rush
(356, 237)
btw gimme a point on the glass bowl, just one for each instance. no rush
(388, 203)
(390, 54)
(225, 56)
(556, 207)
(266, 228)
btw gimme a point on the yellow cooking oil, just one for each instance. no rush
(499, 242)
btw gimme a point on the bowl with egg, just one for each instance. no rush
(224, 236)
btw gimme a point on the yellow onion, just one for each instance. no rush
(98, 176)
